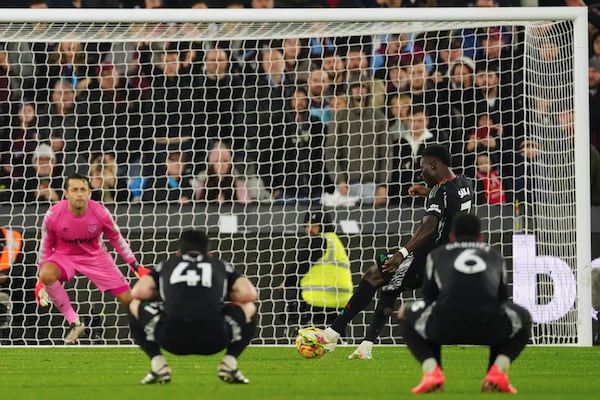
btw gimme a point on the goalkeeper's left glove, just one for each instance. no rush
(140, 269)
(41, 296)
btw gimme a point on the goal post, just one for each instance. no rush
(536, 113)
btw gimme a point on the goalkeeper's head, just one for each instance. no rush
(193, 241)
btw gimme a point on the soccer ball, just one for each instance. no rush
(310, 343)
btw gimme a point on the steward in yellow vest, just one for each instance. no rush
(320, 283)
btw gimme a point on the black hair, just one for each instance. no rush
(437, 151)
(466, 227)
(321, 218)
(193, 240)
(77, 176)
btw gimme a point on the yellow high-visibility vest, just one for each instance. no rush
(328, 282)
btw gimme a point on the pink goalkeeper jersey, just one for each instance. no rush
(66, 234)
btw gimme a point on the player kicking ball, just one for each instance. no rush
(180, 307)
(465, 302)
(72, 244)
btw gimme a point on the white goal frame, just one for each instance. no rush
(472, 17)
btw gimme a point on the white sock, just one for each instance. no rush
(502, 363)
(331, 335)
(366, 343)
(429, 365)
(158, 362)
(230, 362)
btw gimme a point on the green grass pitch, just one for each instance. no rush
(280, 373)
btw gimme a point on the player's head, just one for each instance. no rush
(317, 222)
(466, 228)
(435, 163)
(77, 192)
(192, 241)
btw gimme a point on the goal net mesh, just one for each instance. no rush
(298, 108)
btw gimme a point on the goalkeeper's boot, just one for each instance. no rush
(162, 376)
(363, 352)
(229, 375)
(331, 339)
(76, 330)
(431, 382)
(496, 381)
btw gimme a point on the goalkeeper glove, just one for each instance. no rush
(41, 296)
(140, 269)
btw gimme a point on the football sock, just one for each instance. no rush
(502, 363)
(230, 362)
(429, 365)
(158, 362)
(59, 295)
(358, 302)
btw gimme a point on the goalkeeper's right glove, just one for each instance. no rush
(41, 296)
(142, 271)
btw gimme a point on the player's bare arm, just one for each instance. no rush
(418, 191)
(427, 228)
(145, 289)
(243, 291)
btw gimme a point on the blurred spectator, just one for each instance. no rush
(107, 186)
(485, 138)
(70, 63)
(319, 91)
(595, 46)
(357, 68)
(406, 164)
(103, 113)
(9, 186)
(42, 182)
(218, 105)
(398, 48)
(595, 176)
(167, 112)
(397, 79)
(265, 100)
(459, 86)
(594, 101)
(363, 173)
(488, 183)
(297, 63)
(399, 113)
(305, 175)
(423, 92)
(173, 182)
(23, 136)
(84, 3)
(220, 182)
(333, 65)
(62, 120)
(5, 85)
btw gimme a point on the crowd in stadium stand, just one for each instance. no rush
(337, 121)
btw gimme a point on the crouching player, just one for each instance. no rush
(180, 307)
(72, 244)
(465, 302)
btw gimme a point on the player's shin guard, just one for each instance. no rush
(136, 329)
(358, 302)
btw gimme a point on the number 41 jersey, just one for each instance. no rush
(193, 286)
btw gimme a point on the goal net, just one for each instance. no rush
(313, 110)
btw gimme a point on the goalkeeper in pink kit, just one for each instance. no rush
(72, 244)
